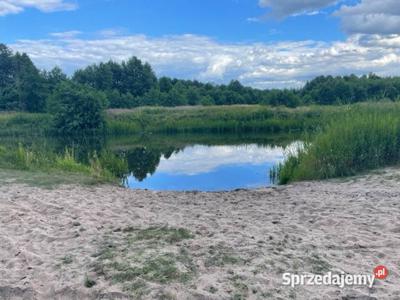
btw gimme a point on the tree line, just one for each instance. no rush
(132, 83)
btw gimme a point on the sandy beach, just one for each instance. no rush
(106, 242)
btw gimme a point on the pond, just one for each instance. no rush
(185, 162)
(212, 168)
(206, 163)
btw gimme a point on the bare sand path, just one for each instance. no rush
(56, 243)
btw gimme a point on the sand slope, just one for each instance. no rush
(242, 241)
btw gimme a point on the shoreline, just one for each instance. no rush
(202, 245)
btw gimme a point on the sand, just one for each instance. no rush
(54, 240)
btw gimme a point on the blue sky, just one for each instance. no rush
(263, 43)
(225, 20)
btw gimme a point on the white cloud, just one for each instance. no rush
(111, 32)
(263, 65)
(360, 17)
(66, 34)
(219, 65)
(371, 17)
(285, 8)
(202, 159)
(16, 6)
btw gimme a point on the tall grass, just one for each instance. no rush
(24, 124)
(214, 119)
(365, 137)
(105, 167)
(218, 119)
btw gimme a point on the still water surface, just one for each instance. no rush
(212, 168)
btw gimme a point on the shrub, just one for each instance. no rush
(78, 109)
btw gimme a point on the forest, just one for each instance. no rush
(132, 83)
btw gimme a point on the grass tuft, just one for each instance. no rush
(145, 257)
(169, 235)
(89, 283)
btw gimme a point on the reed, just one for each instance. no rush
(365, 137)
(106, 167)
(24, 124)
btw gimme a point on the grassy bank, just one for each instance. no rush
(24, 124)
(45, 179)
(214, 119)
(365, 137)
(218, 119)
(105, 167)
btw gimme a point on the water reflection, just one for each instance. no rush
(179, 162)
(203, 159)
(208, 168)
(143, 162)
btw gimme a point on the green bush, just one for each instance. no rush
(78, 109)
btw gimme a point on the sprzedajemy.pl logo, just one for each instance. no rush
(341, 280)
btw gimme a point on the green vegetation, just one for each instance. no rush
(22, 86)
(140, 258)
(165, 143)
(133, 84)
(89, 283)
(220, 256)
(168, 235)
(161, 269)
(77, 109)
(24, 124)
(222, 119)
(66, 260)
(31, 159)
(241, 289)
(363, 138)
(216, 119)
(44, 179)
